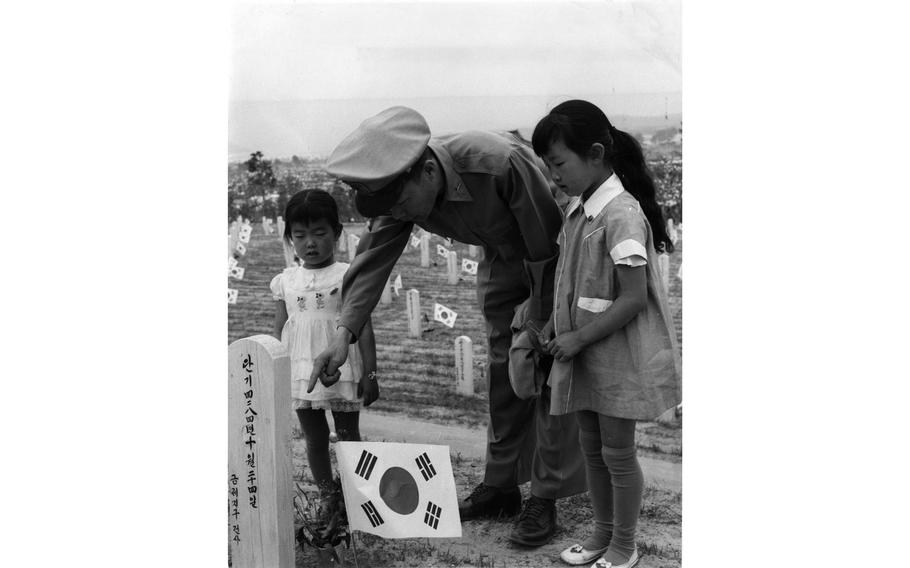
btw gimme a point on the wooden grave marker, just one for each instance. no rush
(233, 237)
(343, 241)
(353, 240)
(280, 223)
(386, 297)
(412, 299)
(425, 249)
(452, 267)
(260, 491)
(663, 263)
(464, 365)
(472, 251)
(289, 253)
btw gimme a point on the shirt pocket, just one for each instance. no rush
(594, 305)
(588, 309)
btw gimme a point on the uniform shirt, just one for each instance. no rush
(494, 195)
(635, 371)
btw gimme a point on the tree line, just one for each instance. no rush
(261, 188)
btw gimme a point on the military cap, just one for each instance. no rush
(381, 149)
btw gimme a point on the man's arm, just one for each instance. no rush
(539, 220)
(377, 253)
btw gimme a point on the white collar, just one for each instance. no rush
(609, 189)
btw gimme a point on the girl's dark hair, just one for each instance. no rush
(580, 125)
(311, 205)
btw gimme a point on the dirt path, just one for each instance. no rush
(471, 443)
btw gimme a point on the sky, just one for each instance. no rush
(486, 65)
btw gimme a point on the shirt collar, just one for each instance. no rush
(609, 189)
(455, 189)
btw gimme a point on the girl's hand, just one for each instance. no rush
(368, 388)
(565, 346)
(546, 334)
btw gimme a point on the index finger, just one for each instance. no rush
(318, 366)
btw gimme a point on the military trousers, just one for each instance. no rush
(524, 442)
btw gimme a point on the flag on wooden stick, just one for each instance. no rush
(399, 490)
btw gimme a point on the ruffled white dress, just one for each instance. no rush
(313, 301)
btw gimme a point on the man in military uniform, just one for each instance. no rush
(484, 189)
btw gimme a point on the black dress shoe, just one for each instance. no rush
(537, 523)
(486, 501)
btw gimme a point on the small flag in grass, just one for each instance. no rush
(444, 314)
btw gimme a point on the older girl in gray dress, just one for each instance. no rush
(611, 333)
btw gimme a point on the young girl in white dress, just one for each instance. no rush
(616, 358)
(308, 303)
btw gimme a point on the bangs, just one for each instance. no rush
(547, 131)
(311, 205)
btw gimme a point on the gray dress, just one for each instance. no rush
(635, 372)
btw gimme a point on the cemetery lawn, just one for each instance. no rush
(417, 383)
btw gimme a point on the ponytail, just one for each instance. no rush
(629, 164)
(580, 125)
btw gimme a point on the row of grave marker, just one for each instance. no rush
(241, 230)
(441, 313)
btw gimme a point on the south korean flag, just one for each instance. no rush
(399, 490)
(444, 314)
(245, 232)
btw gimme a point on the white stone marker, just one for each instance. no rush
(425, 249)
(464, 365)
(671, 232)
(289, 253)
(353, 240)
(233, 237)
(280, 223)
(343, 242)
(260, 495)
(452, 267)
(663, 262)
(386, 297)
(412, 299)
(472, 251)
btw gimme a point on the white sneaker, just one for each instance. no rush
(632, 561)
(577, 555)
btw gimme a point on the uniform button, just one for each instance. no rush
(590, 219)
